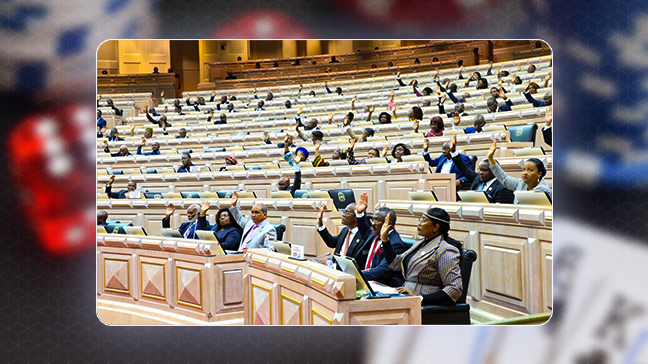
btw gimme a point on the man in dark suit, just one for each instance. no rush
(493, 105)
(375, 266)
(188, 228)
(444, 162)
(495, 191)
(348, 241)
(131, 190)
(186, 163)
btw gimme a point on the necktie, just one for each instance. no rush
(371, 253)
(248, 237)
(189, 230)
(345, 248)
(481, 186)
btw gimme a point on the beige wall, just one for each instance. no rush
(140, 56)
(108, 57)
(185, 60)
(210, 51)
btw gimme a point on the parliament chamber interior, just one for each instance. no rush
(236, 179)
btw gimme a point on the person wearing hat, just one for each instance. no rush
(229, 161)
(320, 162)
(300, 155)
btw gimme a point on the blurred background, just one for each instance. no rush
(47, 94)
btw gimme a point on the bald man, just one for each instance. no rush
(102, 217)
(257, 231)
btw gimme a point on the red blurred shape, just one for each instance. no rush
(258, 25)
(435, 14)
(56, 192)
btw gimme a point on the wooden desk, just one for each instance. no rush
(282, 291)
(153, 280)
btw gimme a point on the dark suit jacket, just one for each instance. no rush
(111, 194)
(338, 241)
(296, 184)
(495, 193)
(546, 134)
(438, 162)
(229, 238)
(183, 227)
(379, 271)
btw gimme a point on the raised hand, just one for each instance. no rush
(426, 144)
(298, 158)
(456, 118)
(527, 86)
(361, 206)
(161, 94)
(352, 144)
(300, 110)
(416, 126)
(213, 93)
(453, 144)
(204, 208)
(491, 153)
(502, 94)
(317, 146)
(170, 210)
(266, 136)
(301, 87)
(443, 98)
(548, 116)
(384, 151)
(143, 142)
(98, 97)
(111, 180)
(372, 108)
(105, 144)
(397, 75)
(386, 228)
(234, 199)
(320, 216)
(133, 126)
(166, 108)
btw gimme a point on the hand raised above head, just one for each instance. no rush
(320, 215)
(426, 144)
(361, 206)
(453, 144)
(170, 210)
(111, 180)
(234, 200)
(491, 152)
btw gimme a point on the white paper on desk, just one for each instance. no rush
(194, 169)
(134, 194)
(381, 288)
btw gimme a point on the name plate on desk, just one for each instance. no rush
(297, 251)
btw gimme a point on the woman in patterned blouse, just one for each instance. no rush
(431, 266)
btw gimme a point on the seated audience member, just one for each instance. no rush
(114, 136)
(390, 64)
(367, 111)
(102, 217)
(258, 232)
(275, 65)
(437, 126)
(104, 72)
(284, 182)
(178, 110)
(484, 180)
(257, 65)
(531, 69)
(366, 133)
(444, 162)
(314, 136)
(319, 161)
(493, 105)
(417, 61)
(459, 107)
(161, 121)
(156, 71)
(370, 256)
(260, 105)
(129, 192)
(384, 118)
(188, 228)
(546, 130)
(228, 231)
(288, 104)
(334, 60)
(450, 89)
(478, 124)
(338, 90)
(222, 119)
(123, 151)
(229, 161)
(182, 133)
(431, 266)
(111, 104)
(186, 163)
(399, 151)
(546, 99)
(155, 148)
(533, 173)
(148, 132)
(415, 114)
(102, 124)
(301, 153)
(349, 241)
(230, 76)
(372, 153)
